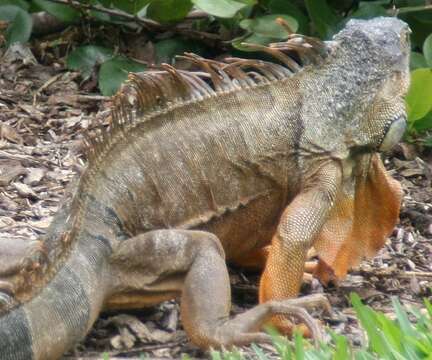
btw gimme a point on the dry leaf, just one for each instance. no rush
(125, 340)
(9, 133)
(24, 190)
(34, 176)
(10, 170)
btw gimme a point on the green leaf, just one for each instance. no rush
(166, 11)
(84, 58)
(20, 24)
(20, 3)
(417, 61)
(267, 26)
(368, 321)
(250, 39)
(299, 346)
(342, 350)
(287, 8)
(323, 17)
(368, 11)
(427, 50)
(428, 142)
(420, 23)
(221, 8)
(130, 6)
(428, 306)
(419, 97)
(98, 15)
(62, 12)
(402, 318)
(167, 49)
(259, 353)
(423, 124)
(113, 72)
(391, 330)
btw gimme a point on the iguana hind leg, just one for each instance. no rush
(193, 263)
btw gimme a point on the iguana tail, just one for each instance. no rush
(63, 311)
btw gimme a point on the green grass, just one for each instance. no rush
(407, 337)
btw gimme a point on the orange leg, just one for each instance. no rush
(299, 226)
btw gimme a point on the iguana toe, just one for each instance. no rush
(288, 309)
(6, 296)
(19, 255)
(36, 257)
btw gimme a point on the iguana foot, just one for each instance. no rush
(19, 254)
(6, 296)
(244, 328)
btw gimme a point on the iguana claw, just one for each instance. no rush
(240, 330)
(36, 258)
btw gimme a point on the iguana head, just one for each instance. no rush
(378, 51)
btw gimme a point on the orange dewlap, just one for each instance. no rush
(359, 225)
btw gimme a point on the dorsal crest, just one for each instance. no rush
(152, 92)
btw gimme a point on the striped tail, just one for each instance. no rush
(63, 311)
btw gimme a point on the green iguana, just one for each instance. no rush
(228, 163)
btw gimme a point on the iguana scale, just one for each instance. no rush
(212, 165)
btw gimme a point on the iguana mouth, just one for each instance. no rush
(394, 131)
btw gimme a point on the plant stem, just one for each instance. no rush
(413, 9)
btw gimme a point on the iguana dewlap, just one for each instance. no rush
(203, 167)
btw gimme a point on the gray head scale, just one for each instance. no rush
(380, 50)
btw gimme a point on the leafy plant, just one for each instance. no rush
(115, 71)
(388, 339)
(419, 97)
(20, 23)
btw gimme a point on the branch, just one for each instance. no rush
(151, 25)
(114, 12)
(148, 23)
(45, 23)
(409, 9)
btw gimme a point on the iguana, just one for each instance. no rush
(230, 162)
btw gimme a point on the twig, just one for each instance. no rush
(197, 14)
(413, 9)
(81, 97)
(422, 274)
(45, 23)
(398, 274)
(145, 22)
(48, 83)
(194, 14)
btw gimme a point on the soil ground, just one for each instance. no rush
(44, 112)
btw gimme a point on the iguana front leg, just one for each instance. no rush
(160, 264)
(300, 224)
